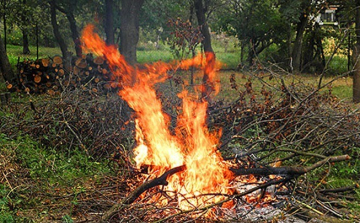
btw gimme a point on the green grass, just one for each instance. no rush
(150, 56)
(14, 52)
(39, 171)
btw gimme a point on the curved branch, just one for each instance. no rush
(141, 189)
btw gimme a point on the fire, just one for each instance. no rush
(191, 145)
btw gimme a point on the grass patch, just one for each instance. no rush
(36, 175)
(14, 52)
(150, 56)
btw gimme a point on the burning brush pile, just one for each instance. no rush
(182, 169)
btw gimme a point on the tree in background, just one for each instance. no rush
(69, 8)
(201, 8)
(257, 25)
(5, 66)
(356, 73)
(129, 28)
(109, 22)
(24, 20)
(60, 40)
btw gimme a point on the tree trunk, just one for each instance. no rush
(26, 49)
(200, 14)
(356, 73)
(296, 52)
(251, 54)
(69, 12)
(4, 19)
(56, 31)
(200, 10)
(129, 28)
(5, 66)
(109, 22)
(74, 31)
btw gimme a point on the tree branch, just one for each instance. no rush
(288, 170)
(141, 189)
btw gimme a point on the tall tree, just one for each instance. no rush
(5, 66)
(356, 73)
(201, 10)
(109, 22)
(4, 20)
(57, 34)
(129, 28)
(68, 9)
(26, 49)
(300, 30)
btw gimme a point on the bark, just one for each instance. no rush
(26, 49)
(129, 28)
(109, 22)
(56, 31)
(74, 32)
(69, 12)
(5, 66)
(200, 10)
(296, 52)
(356, 73)
(5, 27)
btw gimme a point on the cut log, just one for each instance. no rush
(40, 75)
(81, 63)
(37, 79)
(98, 60)
(57, 60)
(61, 72)
(45, 62)
(9, 86)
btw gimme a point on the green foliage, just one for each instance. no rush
(256, 24)
(67, 219)
(338, 65)
(348, 170)
(15, 53)
(6, 214)
(46, 168)
(342, 92)
(56, 167)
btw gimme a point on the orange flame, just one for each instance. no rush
(193, 145)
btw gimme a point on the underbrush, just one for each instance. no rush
(36, 182)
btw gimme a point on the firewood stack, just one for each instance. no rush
(49, 75)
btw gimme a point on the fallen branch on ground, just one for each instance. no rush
(141, 189)
(288, 170)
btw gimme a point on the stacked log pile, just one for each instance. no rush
(53, 75)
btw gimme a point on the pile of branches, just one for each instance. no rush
(99, 125)
(295, 132)
(287, 124)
